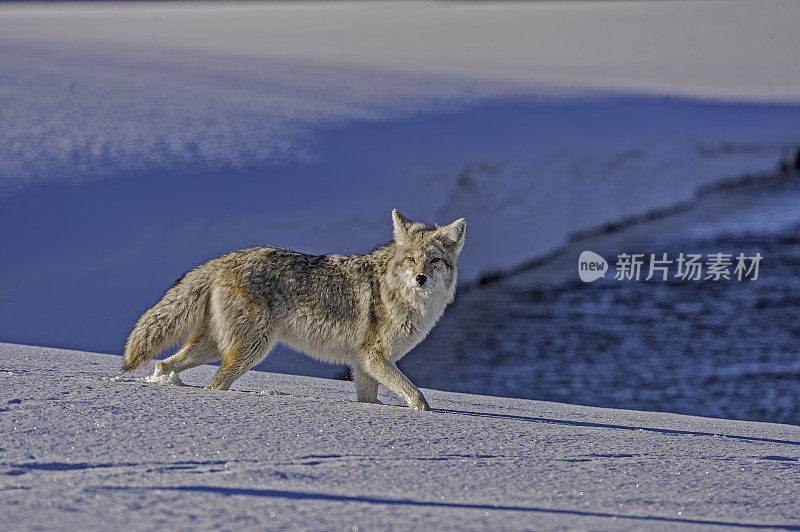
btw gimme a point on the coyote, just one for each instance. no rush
(365, 311)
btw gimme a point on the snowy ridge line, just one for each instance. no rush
(787, 171)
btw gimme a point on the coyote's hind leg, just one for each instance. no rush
(197, 351)
(242, 330)
(236, 361)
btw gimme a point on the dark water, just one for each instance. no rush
(720, 349)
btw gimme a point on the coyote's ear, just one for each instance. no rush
(401, 225)
(453, 235)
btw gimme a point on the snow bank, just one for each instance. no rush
(82, 452)
(139, 140)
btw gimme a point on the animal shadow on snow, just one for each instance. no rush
(568, 422)
(300, 495)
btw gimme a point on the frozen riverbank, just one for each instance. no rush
(713, 348)
(83, 451)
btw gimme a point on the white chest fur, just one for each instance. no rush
(414, 320)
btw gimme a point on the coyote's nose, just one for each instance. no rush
(421, 279)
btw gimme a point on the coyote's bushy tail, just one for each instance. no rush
(177, 315)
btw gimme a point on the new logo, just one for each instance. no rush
(591, 266)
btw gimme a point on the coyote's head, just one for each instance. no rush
(426, 258)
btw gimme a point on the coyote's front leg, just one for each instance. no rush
(376, 365)
(366, 386)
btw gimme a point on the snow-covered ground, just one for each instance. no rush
(84, 451)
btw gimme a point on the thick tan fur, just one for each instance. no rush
(366, 311)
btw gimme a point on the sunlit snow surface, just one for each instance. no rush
(285, 452)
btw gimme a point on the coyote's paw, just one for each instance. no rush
(160, 370)
(169, 378)
(418, 403)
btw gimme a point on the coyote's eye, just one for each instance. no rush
(437, 259)
(410, 259)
